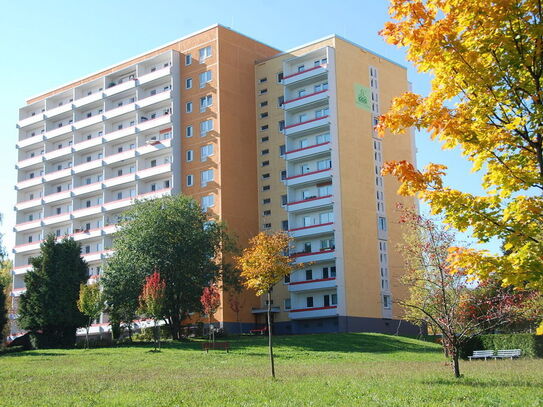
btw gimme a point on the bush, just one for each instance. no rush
(531, 345)
(148, 334)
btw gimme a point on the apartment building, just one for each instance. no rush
(264, 140)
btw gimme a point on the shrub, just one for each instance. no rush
(148, 334)
(531, 345)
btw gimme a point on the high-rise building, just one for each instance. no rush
(264, 140)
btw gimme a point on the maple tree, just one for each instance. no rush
(91, 304)
(486, 59)
(153, 301)
(440, 296)
(264, 263)
(211, 301)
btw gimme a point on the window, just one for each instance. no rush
(265, 127)
(189, 107)
(265, 163)
(265, 151)
(188, 59)
(287, 303)
(283, 199)
(321, 113)
(119, 172)
(325, 272)
(266, 201)
(284, 225)
(266, 188)
(263, 115)
(333, 271)
(190, 180)
(264, 103)
(282, 149)
(205, 177)
(324, 165)
(386, 301)
(326, 217)
(208, 201)
(266, 175)
(267, 226)
(205, 77)
(280, 76)
(287, 279)
(382, 223)
(206, 151)
(323, 138)
(309, 274)
(87, 249)
(302, 118)
(264, 139)
(309, 302)
(326, 300)
(59, 211)
(167, 183)
(188, 83)
(334, 299)
(59, 188)
(267, 212)
(327, 244)
(280, 101)
(188, 131)
(153, 163)
(205, 53)
(119, 195)
(205, 102)
(262, 80)
(301, 68)
(307, 247)
(190, 155)
(325, 190)
(205, 127)
(283, 175)
(263, 91)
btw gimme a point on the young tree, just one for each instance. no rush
(236, 305)
(211, 301)
(440, 295)
(487, 101)
(263, 264)
(173, 235)
(49, 304)
(153, 300)
(91, 304)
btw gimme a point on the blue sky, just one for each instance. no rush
(46, 44)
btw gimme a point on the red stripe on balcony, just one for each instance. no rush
(165, 130)
(313, 309)
(312, 281)
(306, 96)
(312, 226)
(309, 173)
(312, 253)
(309, 199)
(304, 71)
(308, 121)
(306, 148)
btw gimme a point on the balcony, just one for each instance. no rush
(58, 110)
(310, 203)
(90, 165)
(159, 97)
(32, 224)
(30, 120)
(51, 176)
(28, 204)
(313, 230)
(312, 285)
(109, 114)
(27, 247)
(159, 169)
(88, 188)
(307, 126)
(21, 269)
(79, 235)
(88, 121)
(160, 73)
(29, 162)
(59, 131)
(58, 196)
(118, 134)
(113, 90)
(30, 141)
(125, 155)
(83, 212)
(309, 177)
(306, 101)
(314, 257)
(307, 152)
(92, 256)
(317, 312)
(88, 99)
(308, 74)
(155, 146)
(62, 217)
(27, 183)
(16, 292)
(93, 142)
(123, 179)
(58, 153)
(159, 121)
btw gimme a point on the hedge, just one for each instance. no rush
(531, 345)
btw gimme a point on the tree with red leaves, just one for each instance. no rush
(152, 301)
(211, 301)
(442, 296)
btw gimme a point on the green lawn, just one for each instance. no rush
(312, 370)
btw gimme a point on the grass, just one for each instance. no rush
(312, 370)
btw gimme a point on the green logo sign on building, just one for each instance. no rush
(362, 97)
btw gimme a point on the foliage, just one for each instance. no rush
(173, 235)
(49, 304)
(150, 334)
(153, 299)
(91, 304)
(211, 301)
(5, 301)
(530, 344)
(487, 101)
(3, 311)
(439, 295)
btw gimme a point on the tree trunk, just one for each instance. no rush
(176, 326)
(156, 334)
(270, 336)
(130, 331)
(87, 337)
(456, 364)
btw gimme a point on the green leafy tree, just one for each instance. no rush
(5, 302)
(171, 234)
(48, 308)
(91, 304)
(152, 301)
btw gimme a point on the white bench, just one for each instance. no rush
(508, 354)
(482, 354)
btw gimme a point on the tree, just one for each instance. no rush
(440, 295)
(263, 264)
(91, 304)
(173, 235)
(48, 308)
(5, 301)
(487, 101)
(152, 301)
(236, 305)
(211, 301)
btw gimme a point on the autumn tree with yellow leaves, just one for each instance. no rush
(264, 263)
(486, 59)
